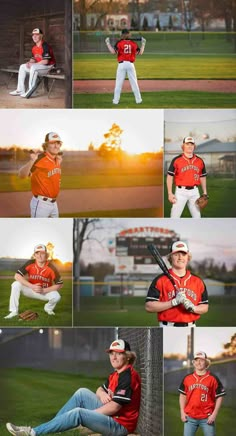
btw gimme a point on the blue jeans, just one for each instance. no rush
(79, 410)
(192, 425)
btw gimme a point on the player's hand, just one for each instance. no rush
(104, 397)
(143, 41)
(34, 155)
(183, 417)
(37, 288)
(211, 419)
(172, 198)
(189, 306)
(107, 40)
(179, 299)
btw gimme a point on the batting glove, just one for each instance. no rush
(179, 299)
(107, 40)
(189, 306)
(143, 40)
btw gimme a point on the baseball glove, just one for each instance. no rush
(28, 315)
(202, 201)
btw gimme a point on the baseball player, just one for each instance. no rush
(44, 170)
(39, 279)
(113, 410)
(187, 171)
(41, 62)
(183, 308)
(126, 50)
(201, 396)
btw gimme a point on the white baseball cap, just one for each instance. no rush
(188, 139)
(52, 137)
(37, 31)
(120, 346)
(40, 247)
(179, 246)
(201, 355)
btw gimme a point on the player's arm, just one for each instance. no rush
(203, 185)
(157, 306)
(25, 170)
(169, 184)
(109, 46)
(153, 305)
(109, 409)
(142, 48)
(23, 280)
(55, 287)
(182, 404)
(213, 416)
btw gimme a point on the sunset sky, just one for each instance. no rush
(143, 129)
(18, 237)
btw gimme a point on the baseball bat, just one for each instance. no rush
(156, 255)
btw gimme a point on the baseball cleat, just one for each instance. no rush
(50, 312)
(11, 315)
(19, 431)
(19, 93)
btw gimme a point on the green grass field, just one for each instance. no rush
(32, 397)
(221, 193)
(62, 318)
(155, 66)
(130, 311)
(158, 100)
(225, 423)
(12, 183)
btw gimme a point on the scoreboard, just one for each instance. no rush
(137, 247)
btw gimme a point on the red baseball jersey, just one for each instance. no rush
(46, 176)
(201, 392)
(46, 275)
(43, 52)
(125, 389)
(126, 50)
(187, 171)
(161, 289)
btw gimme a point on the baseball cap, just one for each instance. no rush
(120, 346)
(179, 246)
(40, 247)
(201, 355)
(125, 31)
(52, 137)
(37, 31)
(188, 139)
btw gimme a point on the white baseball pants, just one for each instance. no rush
(43, 209)
(129, 69)
(34, 71)
(184, 196)
(17, 289)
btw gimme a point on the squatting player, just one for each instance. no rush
(113, 410)
(201, 396)
(180, 309)
(126, 50)
(44, 170)
(38, 279)
(41, 62)
(187, 171)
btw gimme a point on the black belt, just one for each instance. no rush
(187, 187)
(179, 324)
(121, 62)
(52, 200)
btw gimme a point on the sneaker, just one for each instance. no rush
(19, 93)
(11, 315)
(50, 312)
(19, 431)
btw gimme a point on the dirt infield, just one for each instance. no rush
(73, 201)
(107, 86)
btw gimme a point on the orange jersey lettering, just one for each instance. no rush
(126, 50)
(187, 171)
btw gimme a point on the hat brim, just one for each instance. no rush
(206, 360)
(179, 251)
(113, 349)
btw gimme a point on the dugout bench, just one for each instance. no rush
(45, 79)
